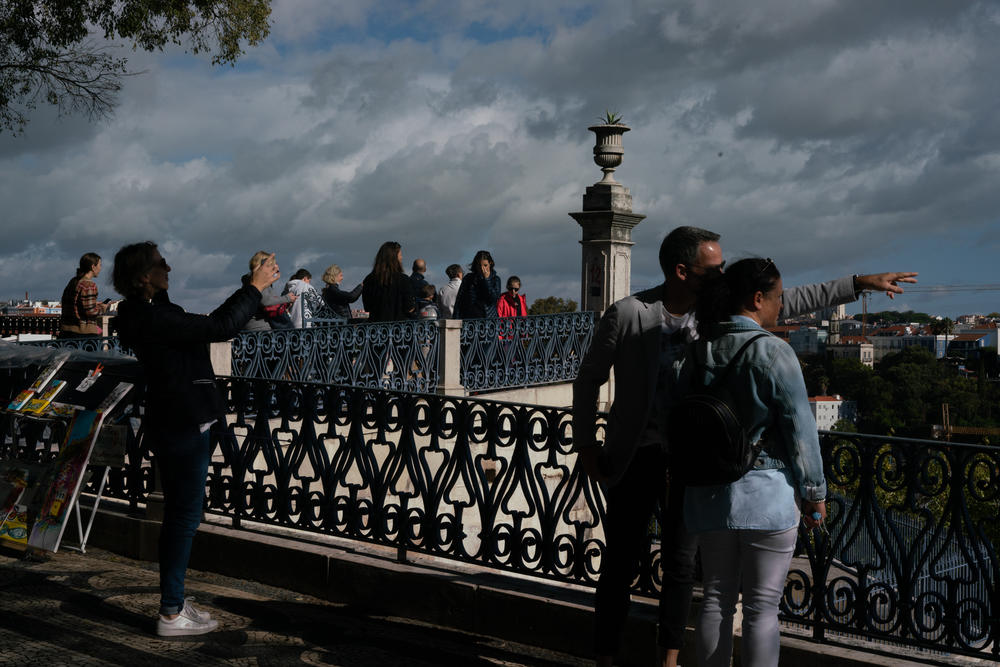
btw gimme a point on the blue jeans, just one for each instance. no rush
(182, 457)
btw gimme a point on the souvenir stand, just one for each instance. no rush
(76, 399)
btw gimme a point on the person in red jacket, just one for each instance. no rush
(511, 303)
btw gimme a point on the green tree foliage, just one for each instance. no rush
(897, 317)
(845, 426)
(903, 395)
(49, 49)
(944, 326)
(551, 304)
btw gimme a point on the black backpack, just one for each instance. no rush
(708, 444)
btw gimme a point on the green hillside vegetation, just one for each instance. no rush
(550, 305)
(897, 317)
(903, 394)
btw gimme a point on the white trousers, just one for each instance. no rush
(759, 559)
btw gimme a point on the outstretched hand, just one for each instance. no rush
(886, 282)
(265, 274)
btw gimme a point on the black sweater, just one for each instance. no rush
(172, 347)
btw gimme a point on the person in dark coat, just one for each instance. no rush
(182, 403)
(477, 297)
(419, 280)
(337, 299)
(388, 292)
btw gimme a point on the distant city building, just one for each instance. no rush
(899, 337)
(808, 340)
(970, 345)
(783, 330)
(853, 347)
(832, 313)
(828, 410)
(850, 327)
(26, 307)
(985, 328)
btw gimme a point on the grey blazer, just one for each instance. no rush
(628, 340)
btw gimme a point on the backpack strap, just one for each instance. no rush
(739, 353)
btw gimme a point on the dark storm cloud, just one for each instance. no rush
(839, 136)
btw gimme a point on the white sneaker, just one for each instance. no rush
(190, 621)
(200, 614)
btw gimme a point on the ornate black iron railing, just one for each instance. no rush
(910, 553)
(910, 556)
(523, 351)
(474, 480)
(389, 355)
(85, 344)
(11, 325)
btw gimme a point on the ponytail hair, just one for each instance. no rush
(725, 294)
(87, 263)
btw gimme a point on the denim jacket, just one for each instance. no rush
(772, 402)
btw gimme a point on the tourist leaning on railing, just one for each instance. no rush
(182, 403)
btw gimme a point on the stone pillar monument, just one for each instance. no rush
(607, 221)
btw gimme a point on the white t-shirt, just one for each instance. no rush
(676, 331)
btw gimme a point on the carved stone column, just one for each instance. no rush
(607, 221)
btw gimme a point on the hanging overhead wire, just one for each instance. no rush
(952, 288)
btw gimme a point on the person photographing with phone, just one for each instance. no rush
(182, 404)
(273, 310)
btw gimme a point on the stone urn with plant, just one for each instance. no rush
(608, 150)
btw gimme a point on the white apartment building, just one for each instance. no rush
(828, 410)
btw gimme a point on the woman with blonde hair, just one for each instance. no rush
(338, 300)
(265, 318)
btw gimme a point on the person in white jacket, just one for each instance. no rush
(301, 286)
(446, 295)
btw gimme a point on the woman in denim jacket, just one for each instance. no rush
(747, 529)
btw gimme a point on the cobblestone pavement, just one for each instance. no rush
(99, 609)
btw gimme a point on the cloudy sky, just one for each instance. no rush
(837, 136)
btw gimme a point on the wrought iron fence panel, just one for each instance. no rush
(84, 344)
(909, 557)
(521, 351)
(483, 482)
(387, 355)
(910, 553)
(12, 325)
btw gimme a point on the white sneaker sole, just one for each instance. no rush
(170, 631)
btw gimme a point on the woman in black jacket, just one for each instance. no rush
(480, 289)
(182, 403)
(388, 292)
(337, 299)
